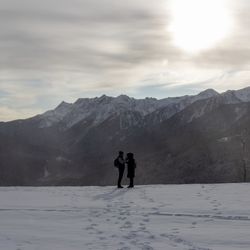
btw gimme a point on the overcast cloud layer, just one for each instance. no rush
(54, 50)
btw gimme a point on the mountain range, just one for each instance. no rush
(189, 139)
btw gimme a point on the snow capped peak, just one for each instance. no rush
(63, 105)
(104, 99)
(246, 89)
(54, 116)
(236, 96)
(98, 109)
(79, 101)
(243, 94)
(123, 97)
(103, 96)
(208, 93)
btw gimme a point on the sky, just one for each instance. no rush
(55, 50)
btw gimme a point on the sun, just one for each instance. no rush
(199, 24)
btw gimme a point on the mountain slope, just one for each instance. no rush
(175, 140)
(100, 109)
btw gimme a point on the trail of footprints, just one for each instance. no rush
(131, 234)
(134, 234)
(216, 205)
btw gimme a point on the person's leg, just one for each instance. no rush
(121, 171)
(131, 182)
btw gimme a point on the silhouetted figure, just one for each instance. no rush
(120, 164)
(131, 164)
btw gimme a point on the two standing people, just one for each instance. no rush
(131, 165)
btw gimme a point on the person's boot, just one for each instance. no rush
(119, 186)
(131, 185)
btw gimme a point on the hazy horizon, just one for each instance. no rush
(115, 96)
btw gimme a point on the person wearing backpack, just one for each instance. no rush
(131, 164)
(120, 164)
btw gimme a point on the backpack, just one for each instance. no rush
(116, 162)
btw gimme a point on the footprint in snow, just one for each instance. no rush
(124, 248)
(122, 218)
(142, 228)
(127, 224)
(147, 248)
(175, 230)
(102, 238)
(151, 237)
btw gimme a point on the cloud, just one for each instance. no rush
(62, 50)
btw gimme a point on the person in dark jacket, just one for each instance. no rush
(131, 164)
(120, 164)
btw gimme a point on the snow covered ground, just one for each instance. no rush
(169, 217)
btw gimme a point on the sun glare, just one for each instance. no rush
(199, 24)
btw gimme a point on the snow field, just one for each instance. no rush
(167, 217)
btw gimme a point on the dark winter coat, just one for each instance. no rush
(121, 162)
(131, 167)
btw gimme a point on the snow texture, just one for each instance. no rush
(167, 217)
(101, 108)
